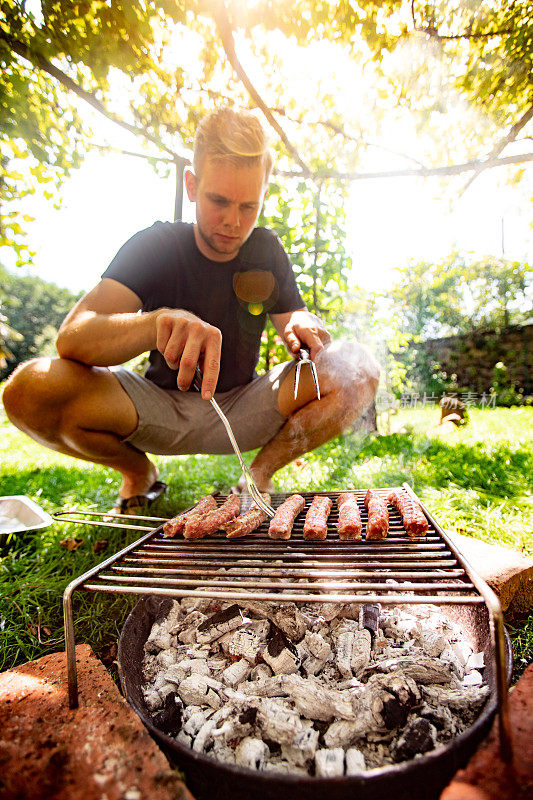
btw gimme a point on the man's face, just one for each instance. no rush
(228, 201)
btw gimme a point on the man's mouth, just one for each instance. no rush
(228, 239)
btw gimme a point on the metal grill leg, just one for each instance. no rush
(70, 647)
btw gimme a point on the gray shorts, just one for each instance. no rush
(181, 423)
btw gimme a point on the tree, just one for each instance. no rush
(479, 53)
(458, 295)
(35, 309)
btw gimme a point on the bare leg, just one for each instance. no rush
(348, 377)
(82, 412)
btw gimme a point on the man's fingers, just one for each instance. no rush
(211, 364)
(292, 342)
(188, 362)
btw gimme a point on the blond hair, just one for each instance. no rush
(236, 137)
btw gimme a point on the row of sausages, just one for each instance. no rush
(206, 518)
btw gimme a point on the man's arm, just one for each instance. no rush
(301, 327)
(104, 328)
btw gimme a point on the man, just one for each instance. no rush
(193, 294)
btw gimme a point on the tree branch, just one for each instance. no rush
(226, 36)
(38, 60)
(425, 172)
(501, 145)
(432, 31)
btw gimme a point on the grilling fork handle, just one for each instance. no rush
(198, 378)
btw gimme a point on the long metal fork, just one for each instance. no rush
(304, 357)
(252, 488)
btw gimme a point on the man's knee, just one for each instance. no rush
(37, 387)
(352, 373)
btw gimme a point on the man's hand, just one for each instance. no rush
(301, 327)
(184, 341)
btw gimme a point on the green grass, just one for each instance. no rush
(476, 480)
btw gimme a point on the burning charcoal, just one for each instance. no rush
(280, 653)
(222, 752)
(219, 623)
(290, 621)
(422, 670)
(205, 735)
(462, 651)
(285, 767)
(162, 686)
(361, 651)
(152, 698)
(260, 672)
(278, 722)
(474, 678)
(329, 763)
(267, 687)
(159, 639)
(475, 661)
(355, 761)
(251, 753)
(419, 736)
(169, 719)
(236, 672)
(245, 643)
(304, 746)
(370, 618)
(449, 657)
(199, 690)
(167, 657)
(237, 725)
(184, 739)
(442, 718)
(193, 719)
(432, 643)
(343, 655)
(315, 701)
(471, 697)
(189, 626)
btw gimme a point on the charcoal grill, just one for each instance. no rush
(393, 571)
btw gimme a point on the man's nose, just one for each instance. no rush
(232, 216)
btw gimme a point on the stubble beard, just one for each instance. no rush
(230, 249)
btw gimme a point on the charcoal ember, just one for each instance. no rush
(355, 761)
(449, 657)
(236, 672)
(475, 661)
(162, 686)
(159, 639)
(280, 653)
(370, 618)
(290, 621)
(343, 654)
(260, 672)
(404, 689)
(194, 718)
(189, 625)
(236, 725)
(467, 698)
(277, 721)
(199, 690)
(329, 763)
(462, 651)
(267, 687)
(285, 767)
(205, 736)
(152, 698)
(442, 718)
(432, 642)
(473, 678)
(422, 670)
(178, 672)
(251, 753)
(219, 623)
(317, 702)
(354, 649)
(222, 751)
(165, 658)
(244, 643)
(203, 604)
(304, 747)
(420, 736)
(169, 719)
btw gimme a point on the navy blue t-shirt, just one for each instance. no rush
(165, 269)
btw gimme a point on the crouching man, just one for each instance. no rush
(193, 294)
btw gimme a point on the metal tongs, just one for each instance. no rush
(252, 488)
(304, 357)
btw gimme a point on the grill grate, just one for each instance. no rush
(395, 570)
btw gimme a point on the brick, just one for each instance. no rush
(99, 751)
(486, 776)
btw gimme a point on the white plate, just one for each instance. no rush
(18, 513)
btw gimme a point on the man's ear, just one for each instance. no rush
(190, 184)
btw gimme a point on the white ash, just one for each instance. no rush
(308, 690)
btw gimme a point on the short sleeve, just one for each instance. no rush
(138, 260)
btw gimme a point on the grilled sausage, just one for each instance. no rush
(316, 520)
(349, 524)
(413, 518)
(248, 522)
(177, 524)
(377, 526)
(199, 526)
(281, 524)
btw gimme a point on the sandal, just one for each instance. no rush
(132, 505)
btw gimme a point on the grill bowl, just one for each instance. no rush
(422, 778)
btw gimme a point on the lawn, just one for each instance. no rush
(476, 480)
